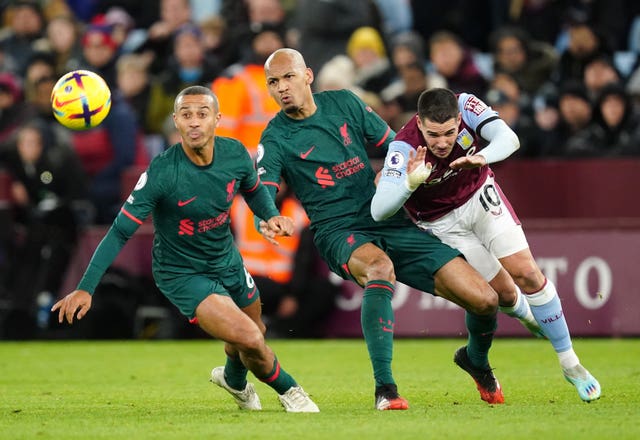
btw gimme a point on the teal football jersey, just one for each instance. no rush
(189, 205)
(323, 158)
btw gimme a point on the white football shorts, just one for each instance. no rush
(484, 229)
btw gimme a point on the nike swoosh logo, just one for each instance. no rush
(306, 153)
(59, 103)
(186, 202)
(250, 295)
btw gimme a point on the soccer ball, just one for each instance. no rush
(80, 100)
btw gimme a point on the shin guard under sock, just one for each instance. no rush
(378, 322)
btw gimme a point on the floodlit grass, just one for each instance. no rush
(160, 390)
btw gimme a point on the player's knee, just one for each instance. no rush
(529, 279)
(507, 297)
(486, 303)
(251, 343)
(381, 268)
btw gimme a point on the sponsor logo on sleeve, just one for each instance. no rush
(465, 140)
(395, 160)
(260, 153)
(474, 105)
(392, 173)
(142, 181)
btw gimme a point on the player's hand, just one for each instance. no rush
(468, 162)
(417, 171)
(276, 226)
(77, 301)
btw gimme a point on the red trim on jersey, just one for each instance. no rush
(272, 184)
(253, 292)
(252, 189)
(379, 286)
(193, 320)
(384, 138)
(345, 267)
(125, 212)
(274, 376)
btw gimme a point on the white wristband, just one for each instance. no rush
(418, 176)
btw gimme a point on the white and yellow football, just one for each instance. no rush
(80, 100)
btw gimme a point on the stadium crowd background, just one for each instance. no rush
(565, 75)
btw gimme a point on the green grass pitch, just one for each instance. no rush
(160, 390)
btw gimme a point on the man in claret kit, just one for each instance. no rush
(438, 169)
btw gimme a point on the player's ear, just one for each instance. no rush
(308, 73)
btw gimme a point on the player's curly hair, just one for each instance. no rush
(437, 105)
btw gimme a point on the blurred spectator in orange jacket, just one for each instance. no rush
(245, 103)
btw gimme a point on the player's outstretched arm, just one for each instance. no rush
(403, 172)
(503, 142)
(77, 301)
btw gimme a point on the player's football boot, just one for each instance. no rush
(297, 401)
(486, 382)
(387, 398)
(246, 399)
(587, 385)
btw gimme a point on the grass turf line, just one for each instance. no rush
(159, 389)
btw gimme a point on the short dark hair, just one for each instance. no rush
(437, 105)
(196, 90)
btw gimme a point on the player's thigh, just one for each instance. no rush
(221, 318)
(525, 271)
(493, 220)
(458, 282)
(349, 253)
(244, 292)
(464, 239)
(368, 262)
(417, 255)
(187, 291)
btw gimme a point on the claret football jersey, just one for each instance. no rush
(447, 189)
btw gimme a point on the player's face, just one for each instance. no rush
(196, 118)
(289, 85)
(440, 137)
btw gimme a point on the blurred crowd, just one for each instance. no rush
(564, 74)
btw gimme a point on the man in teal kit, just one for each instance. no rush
(188, 189)
(317, 145)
